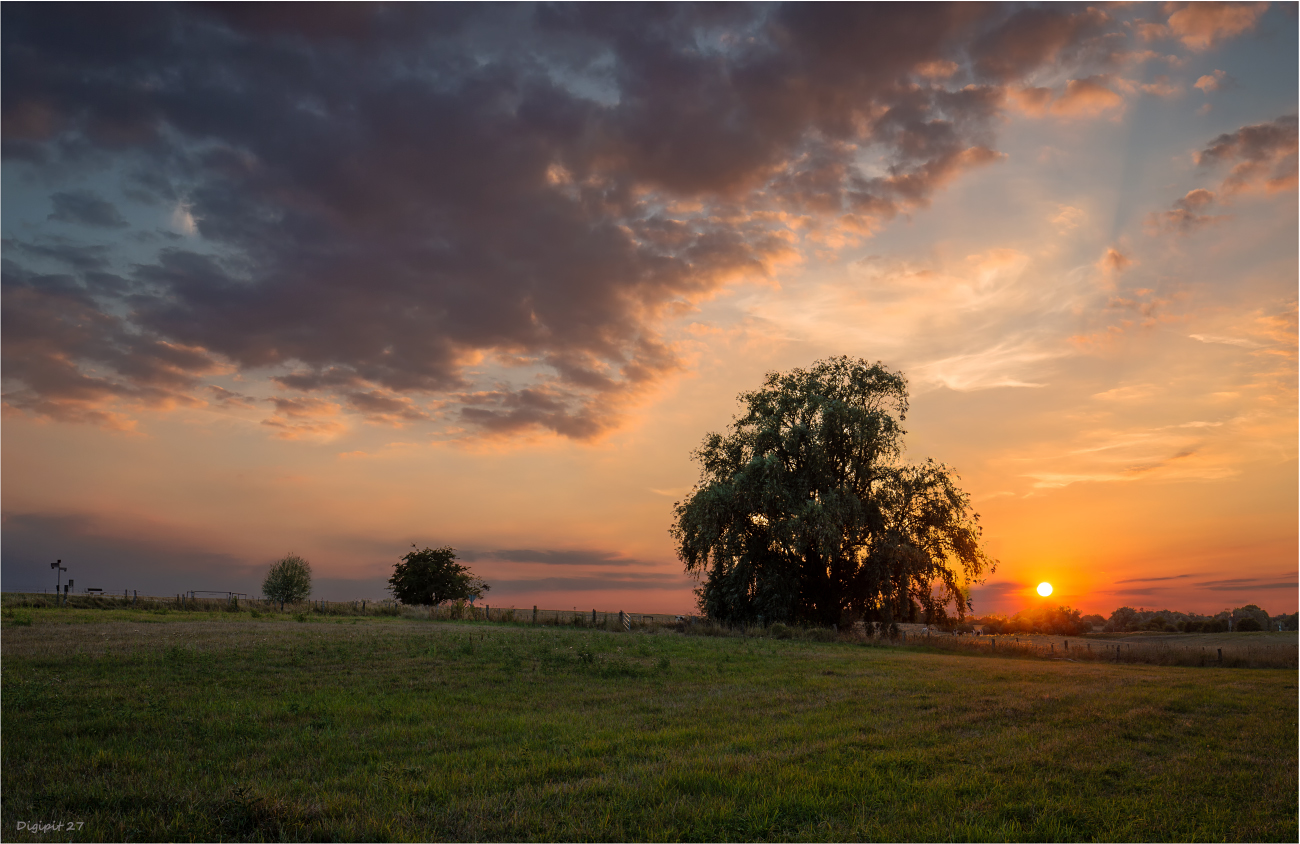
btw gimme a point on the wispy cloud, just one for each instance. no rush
(1153, 579)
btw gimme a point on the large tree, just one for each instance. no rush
(806, 513)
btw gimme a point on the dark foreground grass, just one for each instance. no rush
(400, 729)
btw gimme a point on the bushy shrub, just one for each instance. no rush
(1248, 625)
(820, 634)
(780, 631)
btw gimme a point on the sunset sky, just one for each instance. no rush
(341, 279)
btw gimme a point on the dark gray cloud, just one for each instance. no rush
(555, 558)
(1263, 155)
(492, 206)
(587, 583)
(96, 555)
(86, 208)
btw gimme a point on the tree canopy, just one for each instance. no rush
(288, 580)
(806, 513)
(432, 576)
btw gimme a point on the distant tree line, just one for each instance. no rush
(1063, 621)
(1057, 621)
(1242, 620)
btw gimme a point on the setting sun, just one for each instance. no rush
(1044, 589)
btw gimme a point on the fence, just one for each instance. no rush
(236, 602)
(1250, 653)
(192, 602)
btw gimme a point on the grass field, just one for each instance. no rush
(149, 726)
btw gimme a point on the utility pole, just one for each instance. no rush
(60, 569)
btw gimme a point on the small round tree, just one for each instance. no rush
(432, 576)
(288, 580)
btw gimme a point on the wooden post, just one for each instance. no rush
(1067, 644)
(593, 618)
(904, 637)
(993, 644)
(1220, 656)
(1052, 646)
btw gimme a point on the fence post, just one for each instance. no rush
(1220, 656)
(1067, 644)
(534, 613)
(593, 618)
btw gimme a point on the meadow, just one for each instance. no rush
(152, 725)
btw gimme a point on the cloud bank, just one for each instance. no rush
(480, 217)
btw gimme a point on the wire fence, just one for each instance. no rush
(1249, 652)
(232, 602)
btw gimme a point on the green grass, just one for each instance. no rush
(377, 729)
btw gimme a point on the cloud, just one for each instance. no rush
(1033, 37)
(1263, 156)
(377, 406)
(305, 419)
(1246, 583)
(1228, 341)
(481, 216)
(1153, 579)
(86, 208)
(1067, 218)
(555, 558)
(1186, 216)
(1079, 98)
(50, 321)
(502, 587)
(230, 398)
(1113, 262)
(1201, 26)
(996, 366)
(1214, 81)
